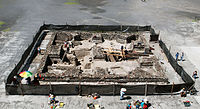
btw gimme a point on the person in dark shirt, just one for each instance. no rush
(14, 80)
(28, 80)
(35, 81)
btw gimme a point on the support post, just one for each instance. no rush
(172, 88)
(146, 89)
(51, 91)
(79, 87)
(114, 89)
(20, 85)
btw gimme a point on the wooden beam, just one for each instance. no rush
(112, 54)
(112, 59)
(120, 55)
(112, 51)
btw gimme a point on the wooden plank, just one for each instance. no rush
(112, 59)
(112, 54)
(121, 55)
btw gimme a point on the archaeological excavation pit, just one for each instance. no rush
(80, 56)
(86, 59)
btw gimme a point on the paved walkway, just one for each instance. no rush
(108, 102)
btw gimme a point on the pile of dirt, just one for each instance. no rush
(97, 52)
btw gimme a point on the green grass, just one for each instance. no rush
(194, 20)
(6, 30)
(1, 23)
(71, 3)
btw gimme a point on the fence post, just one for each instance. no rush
(20, 85)
(172, 88)
(51, 91)
(114, 89)
(79, 86)
(146, 89)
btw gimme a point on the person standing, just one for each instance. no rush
(125, 52)
(145, 106)
(52, 98)
(122, 51)
(14, 80)
(129, 106)
(39, 50)
(182, 56)
(65, 44)
(177, 54)
(194, 75)
(122, 48)
(142, 103)
(68, 47)
(137, 104)
(28, 80)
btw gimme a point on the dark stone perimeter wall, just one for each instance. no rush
(74, 89)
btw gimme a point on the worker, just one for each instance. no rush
(129, 106)
(177, 54)
(14, 80)
(53, 106)
(122, 93)
(145, 106)
(70, 44)
(68, 47)
(183, 92)
(142, 103)
(28, 80)
(122, 51)
(137, 104)
(122, 48)
(194, 75)
(52, 98)
(39, 50)
(125, 52)
(182, 56)
(193, 91)
(65, 44)
(35, 81)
